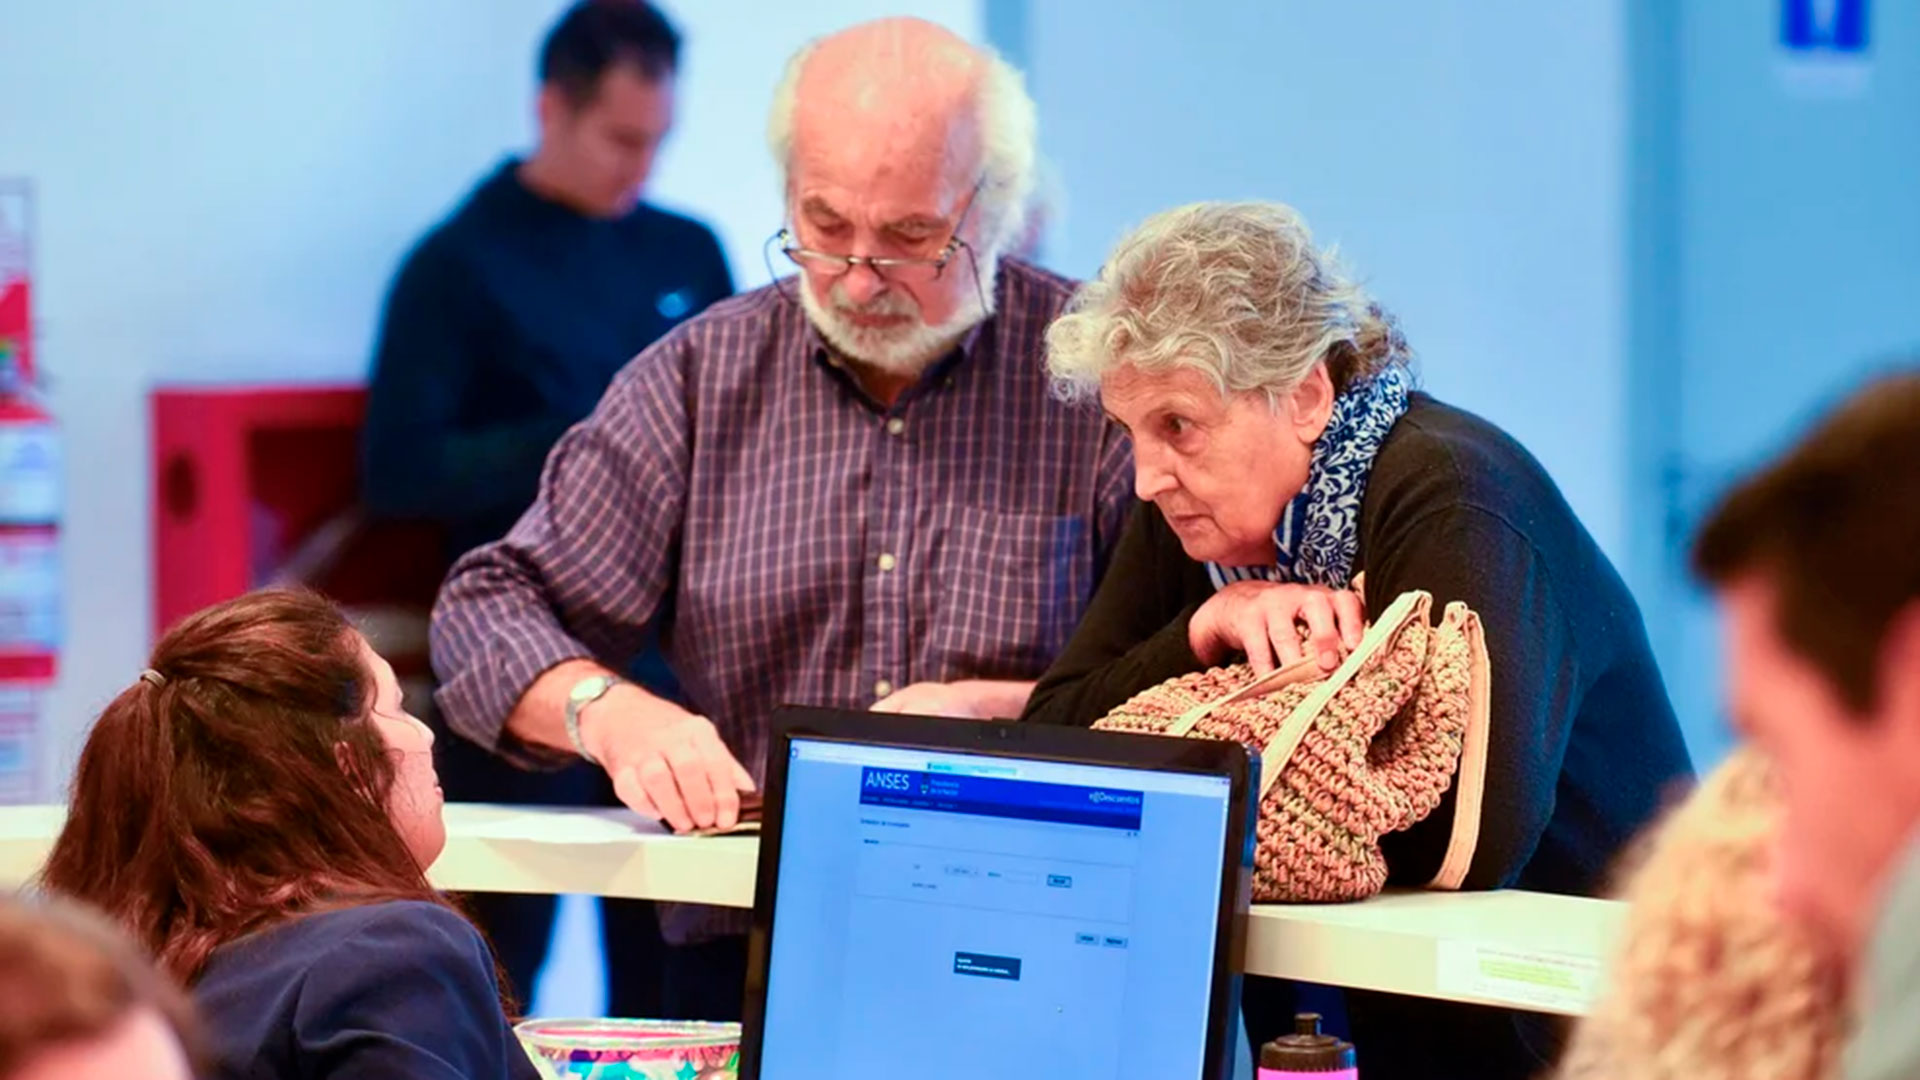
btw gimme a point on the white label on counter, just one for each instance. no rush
(1544, 980)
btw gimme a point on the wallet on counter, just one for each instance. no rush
(750, 804)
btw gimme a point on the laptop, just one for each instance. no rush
(958, 899)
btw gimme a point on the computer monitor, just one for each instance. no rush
(954, 899)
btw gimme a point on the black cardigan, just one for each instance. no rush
(1585, 745)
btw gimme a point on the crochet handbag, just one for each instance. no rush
(1348, 757)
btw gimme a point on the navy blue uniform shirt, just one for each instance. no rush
(503, 328)
(399, 989)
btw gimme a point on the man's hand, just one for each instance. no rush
(1260, 619)
(968, 699)
(666, 763)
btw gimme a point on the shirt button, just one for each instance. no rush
(882, 688)
(887, 563)
(896, 425)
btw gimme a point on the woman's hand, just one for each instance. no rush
(1259, 618)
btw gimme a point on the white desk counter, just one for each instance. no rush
(1530, 950)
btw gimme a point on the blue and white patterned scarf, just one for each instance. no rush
(1319, 532)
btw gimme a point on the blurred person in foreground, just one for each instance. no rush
(1816, 561)
(503, 328)
(850, 488)
(79, 1002)
(258, 810)
(1708, 978)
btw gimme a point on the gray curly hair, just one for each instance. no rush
(1235, 290)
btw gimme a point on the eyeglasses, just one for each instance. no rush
(905, 270)
(908, 270)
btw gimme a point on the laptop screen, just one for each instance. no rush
(968, 915)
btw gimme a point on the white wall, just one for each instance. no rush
(225, 188)
(1466, 155)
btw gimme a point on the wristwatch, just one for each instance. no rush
(584, 693)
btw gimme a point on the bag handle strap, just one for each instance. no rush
(1471, 781)
(1279, 749)
(1305, 669)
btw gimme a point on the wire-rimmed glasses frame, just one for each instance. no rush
(894, 269)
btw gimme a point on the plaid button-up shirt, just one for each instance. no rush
(795, 541)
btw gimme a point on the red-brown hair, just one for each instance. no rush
(241, 784)
(67, 976)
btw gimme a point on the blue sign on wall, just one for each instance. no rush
(1824, 26)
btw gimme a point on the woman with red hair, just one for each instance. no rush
(258, 809)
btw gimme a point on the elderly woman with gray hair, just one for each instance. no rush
(1280, 450)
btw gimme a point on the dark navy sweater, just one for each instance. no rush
(387, 990)
(503, 328)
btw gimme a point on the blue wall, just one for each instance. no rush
(1780, 262)
(1467, 157)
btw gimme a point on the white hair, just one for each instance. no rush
(1234, 290)
(907, 350)
(1009, 127)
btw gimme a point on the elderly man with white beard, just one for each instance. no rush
(851, 488)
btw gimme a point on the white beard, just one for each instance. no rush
(910, 348)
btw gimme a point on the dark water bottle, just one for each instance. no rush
(1307, 1054)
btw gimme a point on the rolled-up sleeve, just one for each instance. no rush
(584, 572)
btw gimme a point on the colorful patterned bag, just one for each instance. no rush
(1347, 757)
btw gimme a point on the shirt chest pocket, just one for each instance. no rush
(1008, 590)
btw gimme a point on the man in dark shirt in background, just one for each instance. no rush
(503, 328)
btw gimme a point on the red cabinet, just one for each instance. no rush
(258, 485)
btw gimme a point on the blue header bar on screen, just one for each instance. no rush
(988, 796)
